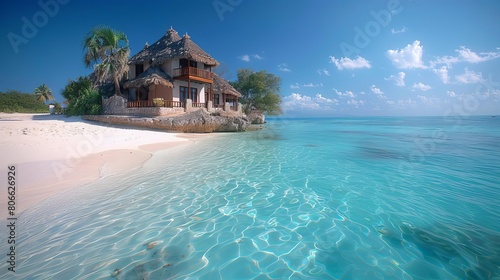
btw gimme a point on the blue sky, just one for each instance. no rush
(334, 58)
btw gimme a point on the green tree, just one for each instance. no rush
(43, 93)
(82, 98)
(107, 51)
(259, 90)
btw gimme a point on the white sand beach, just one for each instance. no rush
(53, 153)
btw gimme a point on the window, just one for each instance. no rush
(184, 63)
(216, 99)
(194, 94)
(231, 101)
(183, 94)
(139, 68)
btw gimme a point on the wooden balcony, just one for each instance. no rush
(194, 74)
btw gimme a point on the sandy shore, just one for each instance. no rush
(54, 153)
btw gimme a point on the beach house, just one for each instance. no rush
(175, 72)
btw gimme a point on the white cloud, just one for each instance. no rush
(347, 63)
(321, 98)
(451, 93)
(256, 56)
(442, 73)
(323, 72)
(421, 87)
(308, 85)
(402, 103)
(296, 101)
(465, 55)
(245, 57)
(406, 102)
(399, 80)
(376, 90)
(356, 103)
(312, 85)
(429, 101)
(448, 60)
(284, 67)
(472, 57)
(396, 31)
(469, 77)
(407, 57)
(347, 93)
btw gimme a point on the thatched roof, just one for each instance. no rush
(171, 46)
(152, 76)
(223, 86)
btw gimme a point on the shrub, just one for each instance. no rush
(82, 98)
(17, 102)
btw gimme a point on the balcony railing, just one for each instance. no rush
(199, 105)
(172, 104)
(175, 104)
(138, 104)
(194, 72)
(166, 103)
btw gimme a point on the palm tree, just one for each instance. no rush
(43, 93)
(107, 51)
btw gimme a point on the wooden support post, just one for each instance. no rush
(189, 82)
(211, 96)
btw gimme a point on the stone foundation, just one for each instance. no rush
(199, 121)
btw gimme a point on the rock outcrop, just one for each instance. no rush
(199, 121)
(256, 117)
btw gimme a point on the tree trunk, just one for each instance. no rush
(248, 108)
(117, 86)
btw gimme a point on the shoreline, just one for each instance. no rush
(54, 153)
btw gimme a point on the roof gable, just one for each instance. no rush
(171, 46)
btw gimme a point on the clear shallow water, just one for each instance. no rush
(361, 198)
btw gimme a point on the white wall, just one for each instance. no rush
(168, 68)
(202, 88)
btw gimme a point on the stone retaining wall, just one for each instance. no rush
(198, 121)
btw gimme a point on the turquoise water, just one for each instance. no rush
(344, 198)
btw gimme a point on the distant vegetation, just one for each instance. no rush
(17, 102)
